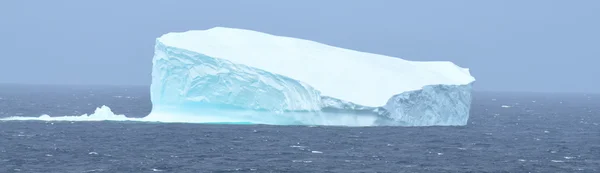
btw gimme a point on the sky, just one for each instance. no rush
(509, 45)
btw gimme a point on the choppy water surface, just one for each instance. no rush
(507, 132)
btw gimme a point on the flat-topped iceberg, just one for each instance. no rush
(238, 75)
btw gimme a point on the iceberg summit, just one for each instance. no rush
(241, 76)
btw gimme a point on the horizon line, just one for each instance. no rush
(475, 90)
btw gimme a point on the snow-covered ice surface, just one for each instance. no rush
(238, 75)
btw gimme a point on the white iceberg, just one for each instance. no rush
(238, 75)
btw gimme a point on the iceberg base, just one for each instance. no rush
(264, 117)
(435, 105)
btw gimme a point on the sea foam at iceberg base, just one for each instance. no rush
(238, 76)
(104, 113)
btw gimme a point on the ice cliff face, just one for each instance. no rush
(182, 77)
(248, 76)
(433, 105)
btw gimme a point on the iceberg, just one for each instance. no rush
(239, 75)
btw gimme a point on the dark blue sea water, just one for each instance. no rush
(533, 132)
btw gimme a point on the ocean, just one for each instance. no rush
(507, 132)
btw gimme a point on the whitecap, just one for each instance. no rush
(301, 161)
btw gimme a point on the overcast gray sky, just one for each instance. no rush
(509, 45)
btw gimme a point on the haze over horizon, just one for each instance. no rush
(537, 45)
